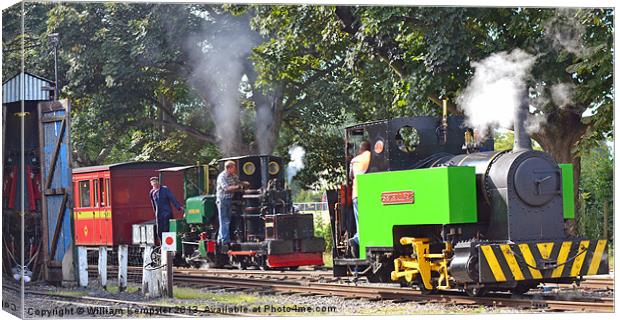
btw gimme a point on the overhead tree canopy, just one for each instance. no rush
(401, 60)
(138, 74)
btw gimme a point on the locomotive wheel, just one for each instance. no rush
(262, 264)
(520, 289)
(294, 268)
(404, 284)
(205, 265)
(379, 277)
(475, 291)
(340, 271)
(422, 288)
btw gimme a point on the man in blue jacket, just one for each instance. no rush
(161, 197)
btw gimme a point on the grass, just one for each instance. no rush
(194, 294)
(110, 289)
(69, 293)
(115, 289)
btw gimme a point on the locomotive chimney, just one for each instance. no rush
(522, 139)
(264, 171)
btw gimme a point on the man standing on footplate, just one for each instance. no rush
(227, 184)
(359, 165)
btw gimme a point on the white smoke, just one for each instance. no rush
(538, 98)
(534, 123)
(217, 58)
(265, 138)
(495, 90)
(297, 154)
(566, 32)
(562, 94)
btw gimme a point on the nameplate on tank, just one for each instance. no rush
(397, 197)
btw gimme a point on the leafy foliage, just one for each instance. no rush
(596, 189)
(504, 140)
(128, 71)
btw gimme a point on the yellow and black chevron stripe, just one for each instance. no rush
(541, 260)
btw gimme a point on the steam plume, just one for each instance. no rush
(265, 131)
(218, 57)
(297, 161)
(495, 90)
(562, 94)
(566, 31)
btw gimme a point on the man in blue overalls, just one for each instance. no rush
(227, 184)
(161, 197)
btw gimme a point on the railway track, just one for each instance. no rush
(593, 283)
(588, 283)
(400, 294)
(322, 283)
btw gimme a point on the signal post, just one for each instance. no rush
(168, 247)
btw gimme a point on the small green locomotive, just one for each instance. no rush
(266, 231)
(440, 209)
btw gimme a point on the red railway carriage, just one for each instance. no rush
(108, 199)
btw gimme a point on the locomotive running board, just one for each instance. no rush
(548, 261)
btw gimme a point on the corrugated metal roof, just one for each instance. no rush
(33, 88)
(175, 169)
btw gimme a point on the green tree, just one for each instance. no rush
(402, 59)
(129, 71)
(504, 140)
(596, 192)
(37, 53)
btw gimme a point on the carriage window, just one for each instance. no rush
(107, 191)
(96, 192)
(102, 192)
(84, 194)
(407, 139)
